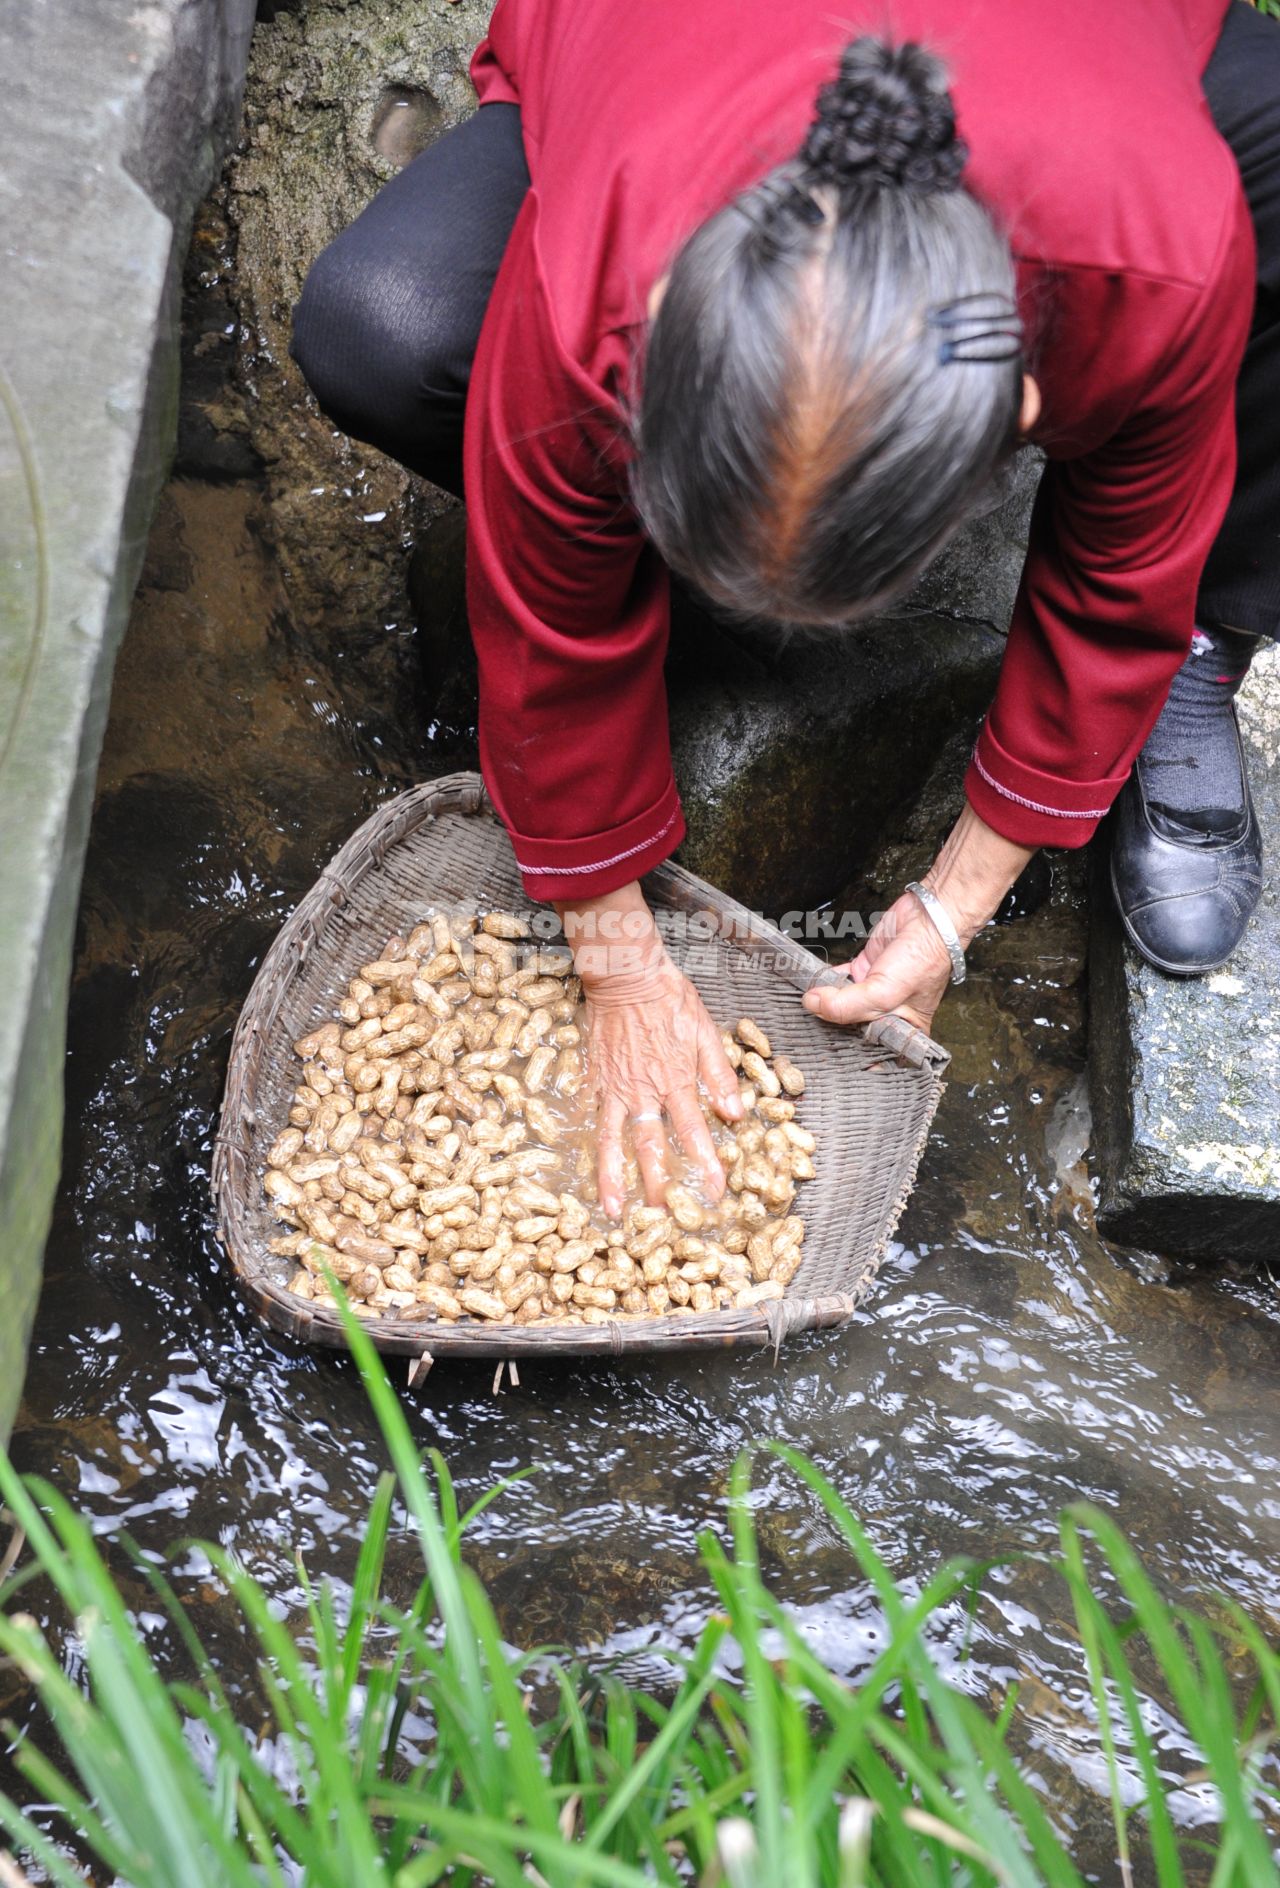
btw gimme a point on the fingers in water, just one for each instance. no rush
(718, 1077)
(611, 1159)
(649, 1138)
(694, 1136)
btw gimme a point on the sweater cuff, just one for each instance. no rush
(587, 868)
(493, 87)
(1033, 808)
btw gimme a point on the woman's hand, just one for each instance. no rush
(904, 967)
(650, 1042)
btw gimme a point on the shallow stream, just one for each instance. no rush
(1009, 1361)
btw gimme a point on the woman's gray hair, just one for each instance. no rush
(834, 373)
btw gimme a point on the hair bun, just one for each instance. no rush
(886, 118)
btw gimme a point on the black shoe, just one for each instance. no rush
(1185, 883)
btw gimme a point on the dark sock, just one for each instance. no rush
(1191, 762)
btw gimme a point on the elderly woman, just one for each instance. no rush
(706, 287)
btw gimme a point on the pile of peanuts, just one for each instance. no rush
(436, 1162)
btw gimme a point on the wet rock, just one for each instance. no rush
(793, 759)
(114, 119)
(408, 118)
(338, 98)
(1033, 885)
(576, 1595)
(1186, 1072)
(438, 602)
(214, 437)
(905, 848)
(976, 575)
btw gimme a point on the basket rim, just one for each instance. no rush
(365, 851)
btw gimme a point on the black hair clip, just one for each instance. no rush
(983, 327)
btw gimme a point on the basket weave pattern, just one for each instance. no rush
(869, 1101)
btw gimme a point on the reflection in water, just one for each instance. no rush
(1008, 1363)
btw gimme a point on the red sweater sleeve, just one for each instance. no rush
(1119, 540)
(493, 63)
(568, 607)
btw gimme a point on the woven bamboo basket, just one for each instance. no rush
(870, 1095)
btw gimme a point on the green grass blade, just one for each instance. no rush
(439, 1557)
(661, 1751)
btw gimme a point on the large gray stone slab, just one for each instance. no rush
(115, 116)
(1185, 1073)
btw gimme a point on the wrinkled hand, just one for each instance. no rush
(649, 1041)
(903, 968)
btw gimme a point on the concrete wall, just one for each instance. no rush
(116, 115)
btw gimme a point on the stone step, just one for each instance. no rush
(1185, 1072)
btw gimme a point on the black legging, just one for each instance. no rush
(387, 326)
(390, 315)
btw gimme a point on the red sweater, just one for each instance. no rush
(1091, 143)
